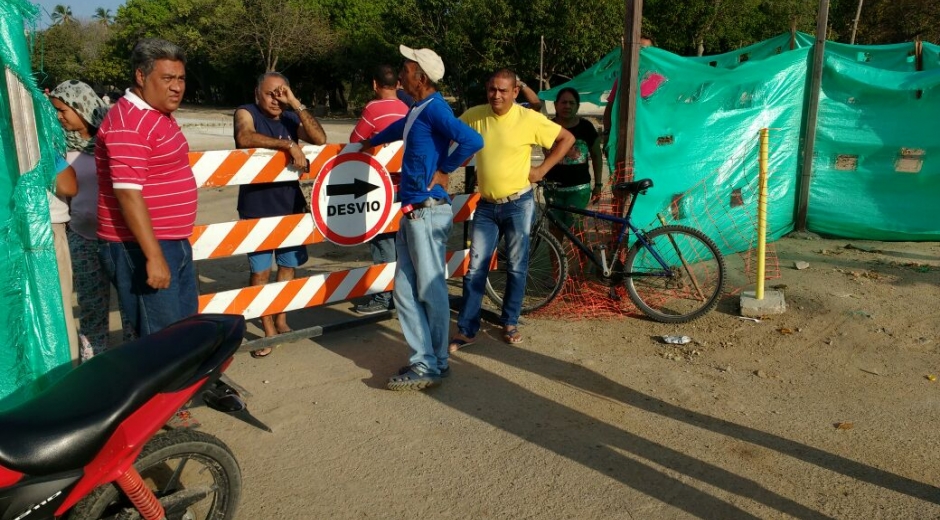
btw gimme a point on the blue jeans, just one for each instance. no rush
(145, 308)
(421, 285)
(383, 252)
(513, 222)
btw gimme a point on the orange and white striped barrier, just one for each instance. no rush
(257, 166)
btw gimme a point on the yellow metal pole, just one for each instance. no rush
(762, 212)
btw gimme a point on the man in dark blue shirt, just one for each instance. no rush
(421, 295)
(266, 123)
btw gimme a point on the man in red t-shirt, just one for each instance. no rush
(147, 193)
(382, 111)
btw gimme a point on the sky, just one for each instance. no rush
(80, 8)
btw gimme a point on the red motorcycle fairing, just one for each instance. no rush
(125, 444)
(36, 498)
(8, 477)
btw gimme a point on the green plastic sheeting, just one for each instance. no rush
(595, 83)
(897, 56)
(698, 132)
(758, 51)
(876, 173)
(33, 341)
(877, 162)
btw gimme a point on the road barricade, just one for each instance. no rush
(344, 166)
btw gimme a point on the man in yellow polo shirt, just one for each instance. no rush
(505, 175)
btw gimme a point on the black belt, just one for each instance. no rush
(409, 210)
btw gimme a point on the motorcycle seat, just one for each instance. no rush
(65, 426)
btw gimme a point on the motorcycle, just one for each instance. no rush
(91, 447)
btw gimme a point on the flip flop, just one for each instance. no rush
(260, 353)
(512, 336)
(458, 342)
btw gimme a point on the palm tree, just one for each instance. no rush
(103, 15)
(62, 14)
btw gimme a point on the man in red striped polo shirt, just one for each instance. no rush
(147, 193)
(382, 111)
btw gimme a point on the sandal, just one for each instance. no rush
(511, 335)
(262, 352)
(458, 342)
(416, 378)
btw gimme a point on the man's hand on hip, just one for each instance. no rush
(440, 178)
(536, 173)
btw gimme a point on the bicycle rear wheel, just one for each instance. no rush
(548, 270)
(690, 284)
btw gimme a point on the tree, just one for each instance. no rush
(205, 29)
(75, 50)
(103, 15)
(62, 14)
(281, 33)
(887, 21)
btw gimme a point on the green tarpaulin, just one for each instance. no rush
(33, 340)
(875, 175)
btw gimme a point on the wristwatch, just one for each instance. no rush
(301, 108)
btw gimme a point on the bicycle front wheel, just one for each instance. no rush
(684, 283)
(548, 270)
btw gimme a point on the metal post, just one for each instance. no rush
(541, 63)
(23, 117)
(629, 72)
(793, 34)
(812, 113)
(762, 212)
(858, 14)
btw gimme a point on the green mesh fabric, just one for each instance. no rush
(33, 341)
(875, 167)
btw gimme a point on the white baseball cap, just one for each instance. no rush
(428, 60)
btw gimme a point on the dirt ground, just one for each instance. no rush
(827, 411)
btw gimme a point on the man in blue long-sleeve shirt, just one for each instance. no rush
(421, 274)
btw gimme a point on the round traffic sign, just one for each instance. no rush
(352, 199)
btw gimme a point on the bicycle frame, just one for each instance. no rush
(626, 224)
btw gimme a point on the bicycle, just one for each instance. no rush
(673, 273)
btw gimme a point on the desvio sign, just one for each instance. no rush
(353, 199)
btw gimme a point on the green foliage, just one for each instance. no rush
(74, 50)
(328, 47)
(62, 15)
(887, 21)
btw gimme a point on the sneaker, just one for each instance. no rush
(181, 420)
(372, 307)
(416, 377)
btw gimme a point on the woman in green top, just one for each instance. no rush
(573, 172)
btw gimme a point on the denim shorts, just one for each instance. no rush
(260, 261)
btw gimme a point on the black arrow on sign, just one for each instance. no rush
(358, 188)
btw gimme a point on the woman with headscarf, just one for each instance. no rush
(80, 112)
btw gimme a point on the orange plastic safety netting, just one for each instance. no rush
(728, 217)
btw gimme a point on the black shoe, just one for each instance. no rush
(372, 307)
(415, 378)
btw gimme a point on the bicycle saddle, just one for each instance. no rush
(65, 426)
(635, 186)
